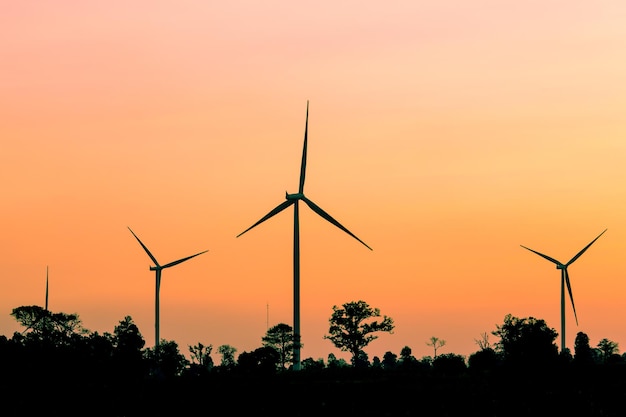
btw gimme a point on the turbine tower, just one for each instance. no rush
(293, 199)
(158, 268)
(565, 281)
(46, 288)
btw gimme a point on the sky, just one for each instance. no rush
(443, 134)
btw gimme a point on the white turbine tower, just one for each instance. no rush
(293, 199)
(158, 268)
(565, 282)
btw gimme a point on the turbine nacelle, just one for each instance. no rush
(292, 197)
(560, 266)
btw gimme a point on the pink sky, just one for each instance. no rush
(443, 135)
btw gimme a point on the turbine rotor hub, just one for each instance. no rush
(296, 196)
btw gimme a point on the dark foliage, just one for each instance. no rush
(114, 376)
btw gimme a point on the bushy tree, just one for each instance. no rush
(165, 360)
(526, 342)
(127, 339)
(449, 364)
(44, 326)
(390, 360)
(485, 359)
(608, 349)
(333, 362)
(376, 362)
(311, 364)
(262, 360)
(352, 328)
(228, 355)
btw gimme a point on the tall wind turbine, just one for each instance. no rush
(293, 199)
(564, 282)
(158, 268)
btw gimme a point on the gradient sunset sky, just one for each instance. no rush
(443, 134)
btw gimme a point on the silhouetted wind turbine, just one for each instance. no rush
(292, 199)
(564, 282)
(158, 268)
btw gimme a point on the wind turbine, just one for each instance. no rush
(293, 199)
(158, 268)
(564, 282)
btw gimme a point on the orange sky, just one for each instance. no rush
(443, 134)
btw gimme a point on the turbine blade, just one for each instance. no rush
(183, 260)
(272, 213)
(303, 165)
(571, 297)
(145, 248)
(543, 256)
(328, 217)
(584, 249)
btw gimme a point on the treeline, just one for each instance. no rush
(57, 367)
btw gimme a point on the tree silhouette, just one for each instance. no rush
(262, 360)
(483, 360)
(201, 355)
(583, 353)
(351, 329)
(526, 342)
(483, 342)
(390, 360)
(436, 343)
(43, 326)
(228, 356)
(281, 338)
(127, 355)
(608, 349)
(165, 360)
(449, 364)
(333, 362)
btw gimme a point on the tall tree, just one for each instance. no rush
(583, 353)
(352, 329)
(128, 356)
(281, 339)
(127, 338)
(436, 343)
